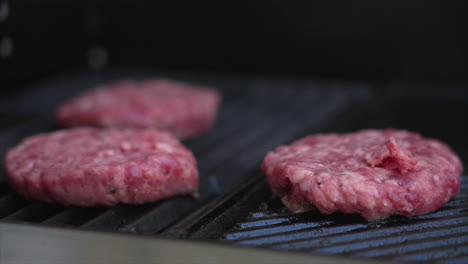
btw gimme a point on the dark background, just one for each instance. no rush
(380, 41)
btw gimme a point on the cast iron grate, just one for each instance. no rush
(430, 237)
(438, 237)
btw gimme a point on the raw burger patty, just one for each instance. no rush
(185, 110)
(89, 166)
(373, 172)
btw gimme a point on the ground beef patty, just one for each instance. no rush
(373, 172)
(90, 166)
(185, 110)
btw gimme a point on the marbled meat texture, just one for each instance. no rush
(185, 110)
(90, 166)
(374, 173)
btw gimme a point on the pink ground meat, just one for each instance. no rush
(185, 110)
(374, 173)
(89, 166)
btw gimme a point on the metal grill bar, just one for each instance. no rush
(9, 203)
(75, 216)
(35, 212)
(429, 245)
(304, 241)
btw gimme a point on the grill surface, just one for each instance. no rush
(236, 205)
(441, 236)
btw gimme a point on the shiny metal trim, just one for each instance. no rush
(31, 244)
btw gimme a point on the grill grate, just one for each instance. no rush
(433, 237)
(225, 155)
(236, 205)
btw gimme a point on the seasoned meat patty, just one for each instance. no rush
(375, 173)
(185, 110)
(90, 166)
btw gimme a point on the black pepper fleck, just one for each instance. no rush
(341, 185)
(113, 190)
(88, 173)
(319, 182)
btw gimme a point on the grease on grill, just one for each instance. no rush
(438, 236)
